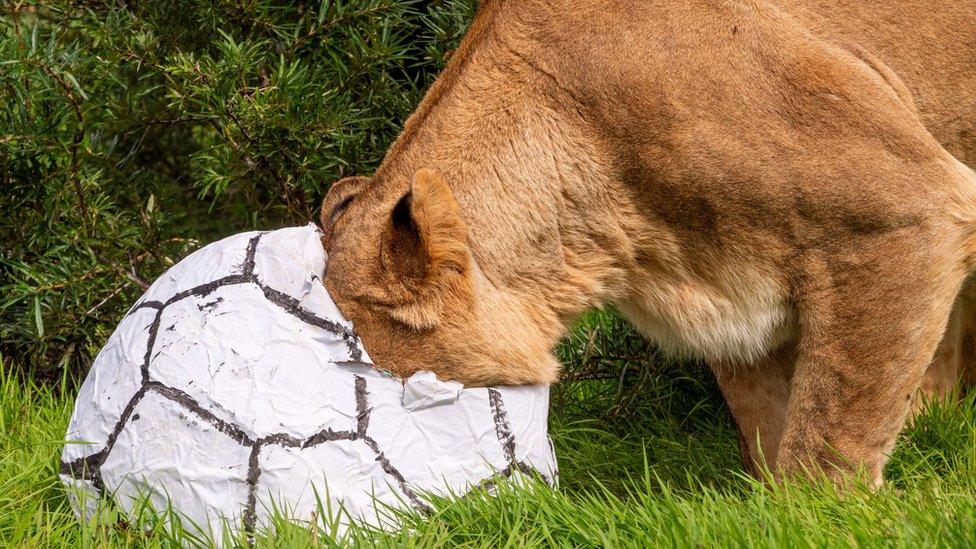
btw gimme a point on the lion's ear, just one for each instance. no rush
(426, 247)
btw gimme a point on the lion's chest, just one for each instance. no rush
(737, 317)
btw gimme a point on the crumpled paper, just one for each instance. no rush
(234, 389)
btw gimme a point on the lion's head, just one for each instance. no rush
(401, 269)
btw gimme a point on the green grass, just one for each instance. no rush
(647, 458)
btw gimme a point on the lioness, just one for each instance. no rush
(777, 187)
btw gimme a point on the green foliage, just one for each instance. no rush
(635, 404)
(131, 132)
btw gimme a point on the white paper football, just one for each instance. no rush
(235, 388)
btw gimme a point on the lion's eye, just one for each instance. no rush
(340, 207)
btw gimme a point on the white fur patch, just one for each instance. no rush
(739, 321)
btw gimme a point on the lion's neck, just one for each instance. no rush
(548, 223)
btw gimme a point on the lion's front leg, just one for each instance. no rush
(867, 335)
(757, 395)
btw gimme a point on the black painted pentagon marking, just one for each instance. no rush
(90, 466)
(191, 405)
(389, 469)
(325, 435)
(294, 308)
(362, 410)
(146, 305)
(503, 430)
(252, 249)
(82, 468)
(249, 518)
(207, 288)
(150, 344)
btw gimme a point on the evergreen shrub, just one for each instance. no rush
(134, 131)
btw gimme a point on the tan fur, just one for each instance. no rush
(778, 187)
